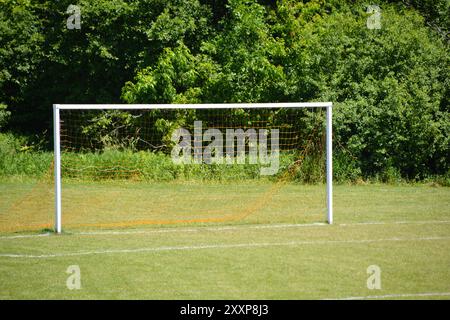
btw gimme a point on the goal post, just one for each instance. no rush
(57, 167)
(329, 163)
(60, 108)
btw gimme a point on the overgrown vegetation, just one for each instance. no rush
(390, 86)
(20, 159)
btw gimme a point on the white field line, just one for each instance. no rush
(199, 229)
(231, 228)
(400, 295)
(177, 230)
(214, 246)
(261, 226)
(394, 222)
(26, 236)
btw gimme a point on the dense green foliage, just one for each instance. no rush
(390, 86)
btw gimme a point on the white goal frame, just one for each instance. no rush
(57, 136)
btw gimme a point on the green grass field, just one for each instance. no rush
(279, 250)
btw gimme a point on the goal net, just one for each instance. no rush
(134, 165)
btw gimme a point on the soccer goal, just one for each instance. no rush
(127, 165)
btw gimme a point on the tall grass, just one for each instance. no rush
(20, 161)
(16, 159)
(157, 166)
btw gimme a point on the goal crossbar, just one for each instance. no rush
(57, 136)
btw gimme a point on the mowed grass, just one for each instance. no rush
(273, 251)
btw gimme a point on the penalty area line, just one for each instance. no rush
(213, 246)
(261, 226)
(394, 223)
(26, 236)
(400, 295)
(199, 229)
(229, 228)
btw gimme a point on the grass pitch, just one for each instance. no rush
(276, 252)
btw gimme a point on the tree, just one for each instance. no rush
(21, 41)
